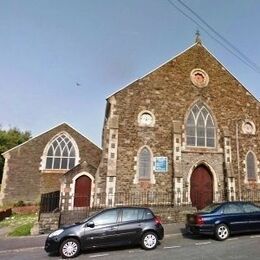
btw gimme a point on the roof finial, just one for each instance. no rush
(197, 40)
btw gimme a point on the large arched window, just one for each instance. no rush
(145, 163)
(61, 153)
(251, 166)
(200, 128)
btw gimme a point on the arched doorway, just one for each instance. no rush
(201, 190)
(82, 191)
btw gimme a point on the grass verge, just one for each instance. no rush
(19, 224)
(24, 230)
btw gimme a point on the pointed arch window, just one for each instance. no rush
(251, 166)
(145, 163)
(200, 127)
(61, 153)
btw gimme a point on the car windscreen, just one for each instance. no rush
(210, 208)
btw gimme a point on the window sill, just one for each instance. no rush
(55, 171)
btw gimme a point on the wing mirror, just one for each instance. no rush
(90, 224)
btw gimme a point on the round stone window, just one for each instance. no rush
(199, 78)
(146, 118)
(248, 127)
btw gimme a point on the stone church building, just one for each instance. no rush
(189, 129)
(38, 165)
(186, 133)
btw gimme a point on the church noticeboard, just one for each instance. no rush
(161, 164)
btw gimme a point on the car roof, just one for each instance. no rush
(127, 207)
(235, 202)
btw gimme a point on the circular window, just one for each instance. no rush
(248, 127)
(199, 78)
(146, 119)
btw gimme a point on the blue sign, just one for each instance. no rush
(161, 164)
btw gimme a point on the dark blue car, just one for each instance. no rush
(223, 219)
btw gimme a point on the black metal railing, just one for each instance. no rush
(50, 202)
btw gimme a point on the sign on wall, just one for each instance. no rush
(161, 164)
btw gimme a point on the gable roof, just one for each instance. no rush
(176, 56)
(39, 135)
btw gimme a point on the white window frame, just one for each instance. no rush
(205, 126)
(46, 149)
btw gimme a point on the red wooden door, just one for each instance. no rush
(82, 192)
(201, 190)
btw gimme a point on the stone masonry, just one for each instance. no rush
(168, 93)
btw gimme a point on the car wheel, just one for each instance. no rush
(69, 248)
(222, 232)
(149, 240)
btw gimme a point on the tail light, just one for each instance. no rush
(199, 220)
(158, 220)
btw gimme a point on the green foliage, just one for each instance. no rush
(24, 230)
(17, 220)
(20, 203)
(9, 139)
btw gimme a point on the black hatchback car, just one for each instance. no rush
(223, 219)
(110, 227)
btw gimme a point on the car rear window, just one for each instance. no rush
(148, 214)
(130, 215)
(210, 208)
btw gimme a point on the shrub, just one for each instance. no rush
(20, 203)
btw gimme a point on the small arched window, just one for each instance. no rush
(145, 163)
(61, 153)
(200, 127)
(251, 166)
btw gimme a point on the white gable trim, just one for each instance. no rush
(230, 73)
(45, 133)
(128, 84)
(125, 86)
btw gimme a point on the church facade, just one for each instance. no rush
(189, 129)
(188, 133)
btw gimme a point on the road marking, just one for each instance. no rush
(231, 239)
(93, 256)
(202, 243)
(173, 235)
(256, 236)
(20, 249)
(169, 247)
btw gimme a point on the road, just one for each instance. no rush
(172, 247)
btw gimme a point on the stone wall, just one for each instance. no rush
(49, 222)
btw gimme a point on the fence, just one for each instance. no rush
(49, 202)
(53, 201)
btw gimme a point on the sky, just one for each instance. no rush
(47, 47)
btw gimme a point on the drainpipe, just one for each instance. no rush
(238, 162)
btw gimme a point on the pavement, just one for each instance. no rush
(20, 243)
(174, 229)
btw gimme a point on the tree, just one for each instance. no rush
(9, 139)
